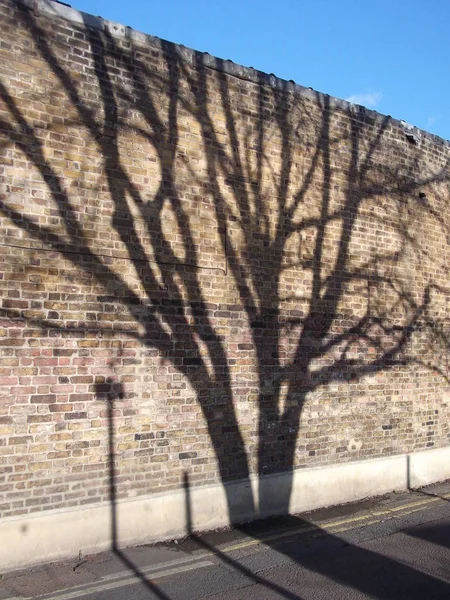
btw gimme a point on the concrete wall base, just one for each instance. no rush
(60, 534)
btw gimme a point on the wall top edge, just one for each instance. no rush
(57, 10)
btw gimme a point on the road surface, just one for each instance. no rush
(389, 548)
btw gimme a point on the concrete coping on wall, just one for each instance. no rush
(55, 9)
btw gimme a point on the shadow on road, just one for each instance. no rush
(293, 188)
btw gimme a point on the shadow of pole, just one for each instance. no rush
(408, 472)
(113, 391)
(224, 557)
(397, 580)
(276, 445)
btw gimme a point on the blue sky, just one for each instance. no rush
(392, 56)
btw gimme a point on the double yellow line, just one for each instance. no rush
(342, 525)
(199, 559)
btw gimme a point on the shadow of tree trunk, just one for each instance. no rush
(266, 187)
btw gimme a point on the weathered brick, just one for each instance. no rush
(278, 309)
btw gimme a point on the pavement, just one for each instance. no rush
(390, 547)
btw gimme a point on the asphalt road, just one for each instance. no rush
(392, 547)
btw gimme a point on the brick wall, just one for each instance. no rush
(204, 270)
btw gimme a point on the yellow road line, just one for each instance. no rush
(337, 526)
(104, 586)
(176, 566)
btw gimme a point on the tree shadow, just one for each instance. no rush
(355, 567)
(292, 189)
